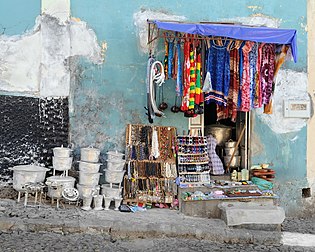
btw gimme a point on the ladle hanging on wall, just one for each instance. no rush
(163, 105)
(175, 108)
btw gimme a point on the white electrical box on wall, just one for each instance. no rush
(297, 108)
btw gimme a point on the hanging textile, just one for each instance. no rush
(170, 59)
(185, 100)
(179, 75)
(198, 96)
(253, 54)
(219, 67)
(192, 77)
(281, 53)
(258, 92)
(267, 71)
(245, 92)
(234, 79)
(165, 62)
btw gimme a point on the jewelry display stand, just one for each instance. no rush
(151, 164)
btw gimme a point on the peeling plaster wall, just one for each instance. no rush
(43, 54)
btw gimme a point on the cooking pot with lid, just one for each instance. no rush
(222, 133)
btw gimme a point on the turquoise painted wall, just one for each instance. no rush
(18, 16)
(107, 97)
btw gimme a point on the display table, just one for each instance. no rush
(208, 208)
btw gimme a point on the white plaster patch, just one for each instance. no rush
(57, 8)
(140, 21)
(289, 85)
(257, 20)
(38, 62)
(20, 61)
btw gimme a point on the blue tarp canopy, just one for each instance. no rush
(241, 32)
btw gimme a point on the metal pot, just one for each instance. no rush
(112, 176)
(111, 191)
(62, 163)
(229, 151)
(89, 167)
(90, 154)
(87, 191)
(236, 160)
(222, 133)
(23, 174)
(89, 179)
(230, 143)
(115, 165)
(56, 184)
(62, 152)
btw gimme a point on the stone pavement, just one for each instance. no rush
(114, 225)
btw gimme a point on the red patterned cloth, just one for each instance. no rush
(245, 106)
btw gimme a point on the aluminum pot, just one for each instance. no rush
(89, 167)
(113, 192)
(89, 179)
(87, 191)
(62, 163)
(221, 133)
(230, 143)
(114, 176)
(236, 160)
(229, 151)
(56, 184)
(62, 152)
(114, 155)
(90, 154)
(115, 165)
(23, 174)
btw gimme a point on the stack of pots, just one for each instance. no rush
(89, 175)
(230, 147)
(114, 174)
(62, 161)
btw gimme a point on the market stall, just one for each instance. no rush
(221, 71)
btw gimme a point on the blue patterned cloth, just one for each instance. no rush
(218, 64)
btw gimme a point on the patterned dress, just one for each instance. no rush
(234, 80)
(218, 64)
(245, 105)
